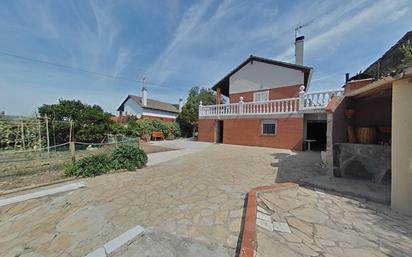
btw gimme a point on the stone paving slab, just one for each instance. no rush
(330, 225)
(6, 200)
(198, 196)
(167, 245)
(306, 167)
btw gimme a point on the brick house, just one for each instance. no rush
(142, 107)
(269, 106)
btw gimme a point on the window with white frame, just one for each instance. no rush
(261, 96)
(269, 127)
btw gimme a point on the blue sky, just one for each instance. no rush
(178, 44)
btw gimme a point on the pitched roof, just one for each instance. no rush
(151, 104)
(224, 82)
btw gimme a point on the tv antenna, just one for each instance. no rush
(300, 26)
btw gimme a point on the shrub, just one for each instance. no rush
(160, 126)
(117, 129)
(89, 166)
(91, 123)
(139, 128)
(129, 157)
(175, 129)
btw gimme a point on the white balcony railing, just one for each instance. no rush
(306, 102)
(317, 100)
(289, 105)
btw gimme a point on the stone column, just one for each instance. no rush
(241, 105)
(329, 143)
(301, 98)
(402, 146)
(200, 109)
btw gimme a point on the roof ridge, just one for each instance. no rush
(283, 62)
(154, 100)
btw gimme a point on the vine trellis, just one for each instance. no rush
(27, 134)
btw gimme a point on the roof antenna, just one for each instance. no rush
(300, 26)
(143, 81)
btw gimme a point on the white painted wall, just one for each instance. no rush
(158, 113)
(258, 76)
(132, 108)
(401, 146)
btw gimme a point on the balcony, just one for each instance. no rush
(313, 102)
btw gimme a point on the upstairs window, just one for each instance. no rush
(261, 96)
(269, 127)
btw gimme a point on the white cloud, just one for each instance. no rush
(163, 66)
(340, 27)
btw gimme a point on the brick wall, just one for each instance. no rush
(274, 93)
(248, 132)
(356, 84)
(206, 130)
(157, 118)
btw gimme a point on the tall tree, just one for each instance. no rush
(189, 116)
(91, 123)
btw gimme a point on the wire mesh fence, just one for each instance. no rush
(53, 158)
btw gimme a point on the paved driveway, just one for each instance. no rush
(198, 194)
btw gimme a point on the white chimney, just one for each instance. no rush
(180, 104)
(144, 96)
(299, 50)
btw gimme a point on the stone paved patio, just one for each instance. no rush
(306, 167)
(196, 193)
(199, 195)
(304, 222)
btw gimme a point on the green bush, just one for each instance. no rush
(117, 129)
(139, 128)
(128, 157)
(91, 123)
(175, 129)
(89, 166)
(160, 126)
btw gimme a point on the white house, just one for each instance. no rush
(142, 107)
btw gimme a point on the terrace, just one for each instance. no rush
(313, 102)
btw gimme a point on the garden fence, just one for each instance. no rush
(53, 158)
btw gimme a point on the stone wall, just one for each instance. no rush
(361, 161)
